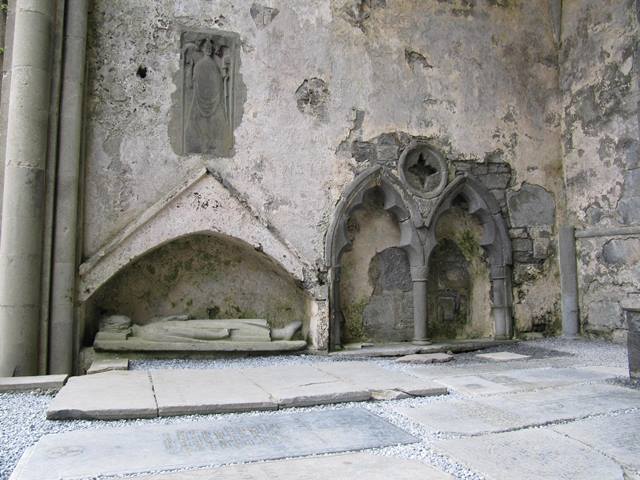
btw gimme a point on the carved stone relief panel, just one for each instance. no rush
(209, 66)
(423, 170)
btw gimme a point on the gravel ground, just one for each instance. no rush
(23, 421)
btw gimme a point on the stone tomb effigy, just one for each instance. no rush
(180, 333)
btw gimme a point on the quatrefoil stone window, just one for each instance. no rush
(423, 170)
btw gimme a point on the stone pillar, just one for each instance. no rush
(568, 281)
(633, 341)
(67, 187)
(335, 311)
(24, 182)
(419, 279)
(501, 302)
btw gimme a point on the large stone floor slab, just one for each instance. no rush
(534, 454)
(304, 385)
(462, 417)
(525, 379)
(564, 403)
(106, 396)
(368, 376)
(519, 410)
(139, 449)
(502, 356)
(354, 466)
(474, 385)
(617, 436)
(180, 392)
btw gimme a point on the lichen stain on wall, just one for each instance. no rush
(457, 226)
(599, 82)
(205, 277)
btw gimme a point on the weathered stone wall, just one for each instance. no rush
(599, 84)
(327, 87)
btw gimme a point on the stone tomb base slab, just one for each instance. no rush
(355, 466)
(129, 450)
(534, 454)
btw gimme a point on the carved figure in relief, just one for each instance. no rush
(183, 329)
(207, 93)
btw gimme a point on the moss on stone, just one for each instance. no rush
(469, 245)
(354, 320)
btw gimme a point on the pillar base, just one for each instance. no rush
(570, 337)
(417, 341)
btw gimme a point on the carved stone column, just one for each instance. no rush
(632, 314)
(335, 312)
(419, 279)
(24, 188)
(66, 225)
(568, 282)
(501, 302)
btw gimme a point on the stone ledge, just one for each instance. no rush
(41, 382)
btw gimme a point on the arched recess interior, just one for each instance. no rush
(396, 201)
(495, 241)
(205, 274)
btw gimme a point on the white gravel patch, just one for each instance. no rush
(23, 420)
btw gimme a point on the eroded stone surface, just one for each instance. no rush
(617, 436)
(464, 417)
(426, 358)
(502, 356)
(563, 403)
(371, 377)
(531, 205)
(352, 466)
(137, 449)
(106, 365)
(40, 382)
(108, 395)
(304, 385)
(181, 392)
(475, 385)
(533, 454)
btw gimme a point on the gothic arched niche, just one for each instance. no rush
(375, 287)
(466, 198)
(373, 227)
(459, 278)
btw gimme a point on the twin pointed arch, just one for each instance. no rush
(418, 239)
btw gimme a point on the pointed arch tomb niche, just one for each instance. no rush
(203, 275)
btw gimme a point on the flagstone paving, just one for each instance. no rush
(618, 436)
(140, 394)
(355, 466)
(531, 455)
(105, 396)
(556, 415)
(129, 450)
